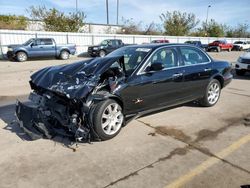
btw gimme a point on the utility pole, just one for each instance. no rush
(76, 6)
(117, 12)
(207, 17)
(107, 9)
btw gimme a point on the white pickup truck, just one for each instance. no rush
(240, 45)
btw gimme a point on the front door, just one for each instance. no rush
(155, 89)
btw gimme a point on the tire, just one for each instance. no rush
(102, 53)
(240, 72)
(241, 49)
(105, 114)
(21, 56)
(212, 94)
(64, 55)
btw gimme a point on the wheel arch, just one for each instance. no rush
(64, 49)
(22, 51)
(220, 79)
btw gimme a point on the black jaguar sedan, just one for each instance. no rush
(93, 99)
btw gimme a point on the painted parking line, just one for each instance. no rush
(208, 163)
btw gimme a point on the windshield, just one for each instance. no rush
(238, 42)
(104, 43)
(133, 56)
(28, 42)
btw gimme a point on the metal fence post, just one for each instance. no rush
(1, 50)
(92, 38)
(36, 35)
(133, 39)
(67, 38)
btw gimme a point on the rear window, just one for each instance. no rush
(192, 56)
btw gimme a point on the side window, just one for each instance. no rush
(192, 56)
(46, 42)
(167, 57)
(38, 41)
(115, 43)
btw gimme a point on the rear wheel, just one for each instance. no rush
(212, 94)
(240, 72)
(64, 55)
(107, 119)
(21, 56)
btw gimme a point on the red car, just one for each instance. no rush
(160, 41)
(219, 45)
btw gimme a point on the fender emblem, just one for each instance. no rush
(136, 101)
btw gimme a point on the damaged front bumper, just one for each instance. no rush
(40, 121)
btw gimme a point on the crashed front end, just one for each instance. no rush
(61, 101)
(48, 115)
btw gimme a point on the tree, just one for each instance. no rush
(152, 29)
(13, 22)
(211, 29)
(54, 20)
(240, 31)
(129, 26)
(177, 23)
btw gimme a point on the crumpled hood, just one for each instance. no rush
(74, 80)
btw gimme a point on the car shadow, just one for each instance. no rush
(245, 77)
(7, 115)
(84, 54)
(193, 104)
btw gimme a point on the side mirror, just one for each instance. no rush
(32, 44)
(155, 67)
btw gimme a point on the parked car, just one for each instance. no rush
(40, 47)
(105, 47)
(96, 97)
(240, 45)
(198, 44)
(243, 64)
(220, 45)
(160, 41)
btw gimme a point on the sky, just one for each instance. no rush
(230, 12)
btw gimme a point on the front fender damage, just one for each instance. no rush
(64, 98)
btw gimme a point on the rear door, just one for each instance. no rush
(197, 71)
(47, 47)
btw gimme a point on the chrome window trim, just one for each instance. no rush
(141, 71)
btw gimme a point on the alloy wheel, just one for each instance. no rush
(213, 93)
(112, 119)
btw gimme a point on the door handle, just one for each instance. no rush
(207, 69)
(177, 74)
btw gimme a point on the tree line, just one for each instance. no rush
(173, 23)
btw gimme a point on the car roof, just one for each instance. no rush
(157, 45)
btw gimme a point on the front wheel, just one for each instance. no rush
(107, 119)
(21, 56)
(102, 53)
(212, 94)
